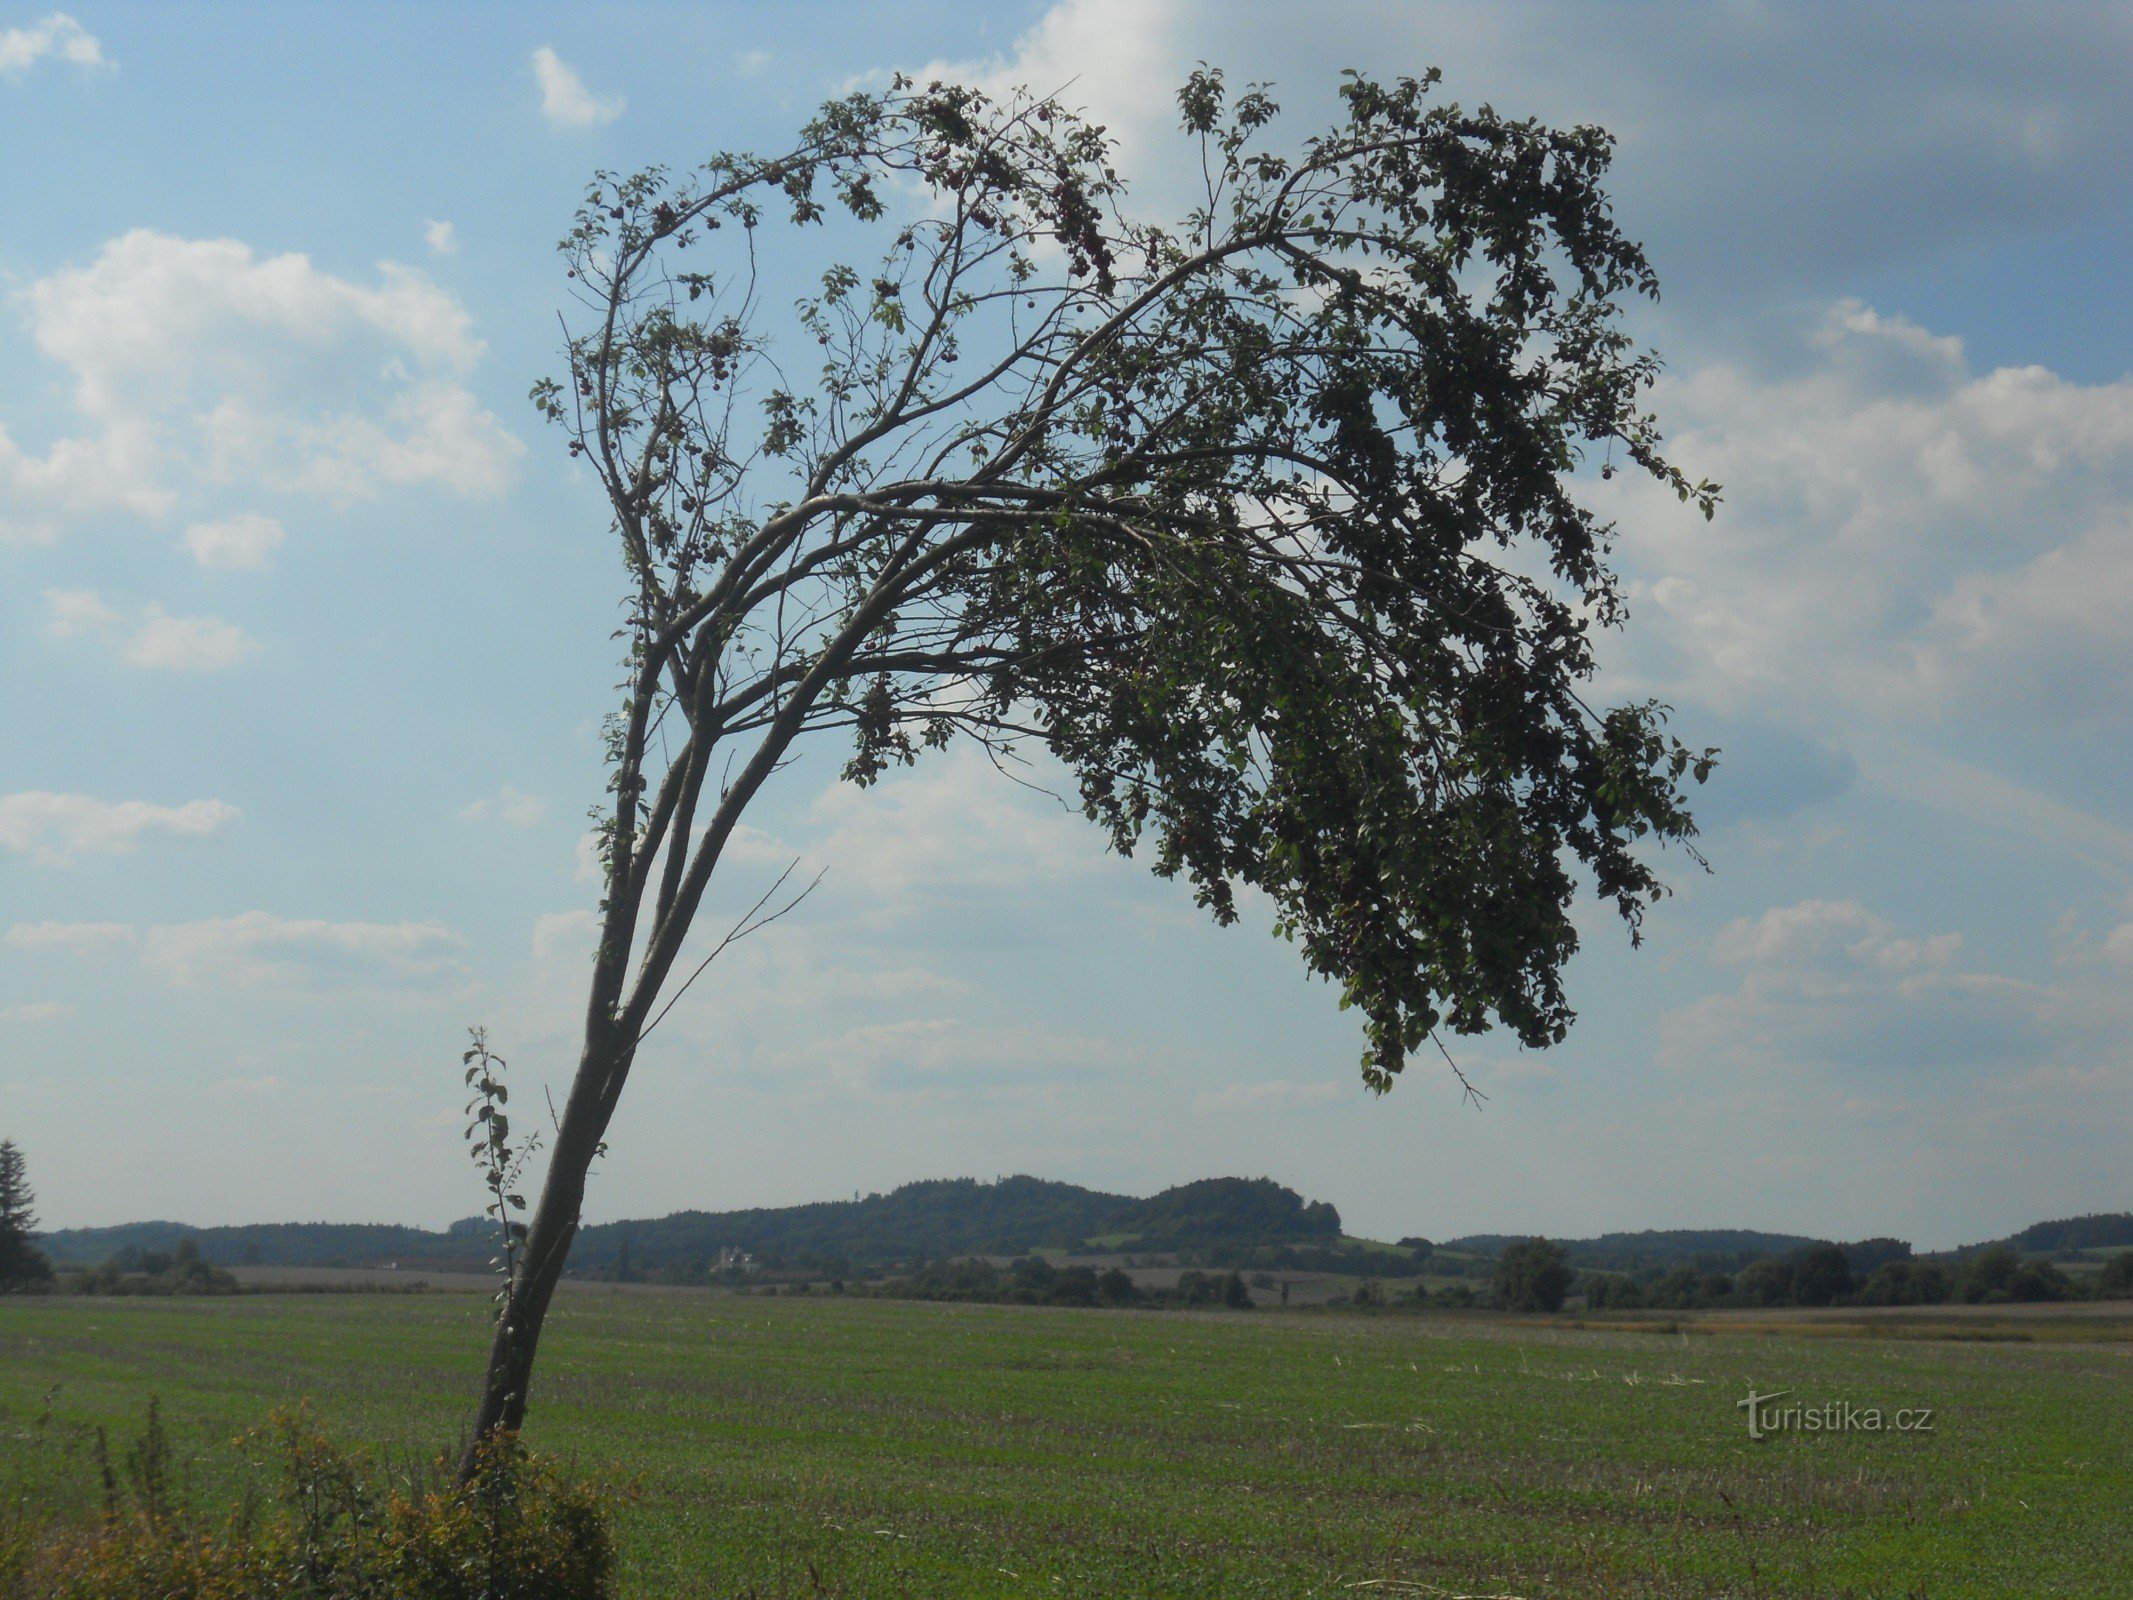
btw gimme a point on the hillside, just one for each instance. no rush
(2097, 1231)
(1223, 1211)
(941, 1217)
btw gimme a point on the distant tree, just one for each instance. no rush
(1906, 1283)
(2115, 1281)
(1766, 1283)
(23, 1266)
(1998, 1275)
(1866, 1257)
(1532, 1275)
(1235, 1293)
(1612, 1291)
(1259, 523)
(1988, 1277)
(1820, 1273)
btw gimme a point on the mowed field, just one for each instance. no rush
(806, 1446)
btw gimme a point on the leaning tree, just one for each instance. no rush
(1260, 523)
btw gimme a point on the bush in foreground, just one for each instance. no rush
(337, 1528)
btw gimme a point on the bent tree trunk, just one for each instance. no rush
(502, 1407)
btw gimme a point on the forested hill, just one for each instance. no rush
(941, 1217)
(927, 1220)
(1222, 1211)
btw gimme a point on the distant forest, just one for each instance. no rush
(917, 1222)
(1224, 1223)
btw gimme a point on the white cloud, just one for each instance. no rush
(58, 37)
(195, 361)
(1760, 145)
(565, 101)
(1832, 984)
(163, 643)
(243, 543)
(1277, 1095)
(70, 613)
(1121, 59)
(53, 829)
(751, 63)
(512, 807)
(152, 638)
(36, 1011)
(71, 938)
(441, 237)
(259, 949)
(1901, 538)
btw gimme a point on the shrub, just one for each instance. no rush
(337, 1529)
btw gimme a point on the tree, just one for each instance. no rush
(2115, 1281)
(1768, 1282)
(1820, 1273)
(1532, 1275)
(22, 1265)
(1260, 525)
(1612, 1291)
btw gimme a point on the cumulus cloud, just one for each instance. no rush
(441, 237)
(244, 543)
(565, 101)
(1122, 60)
(1833, 984)
(1762, 148)
(58, 38)
(52, 829)
(151, 638)
(197, 361)
(258, 949)
(511, 807)
(1902, 536)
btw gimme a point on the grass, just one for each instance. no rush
(795, 1447)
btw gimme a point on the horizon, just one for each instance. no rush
(460, 1222)
(307, 624)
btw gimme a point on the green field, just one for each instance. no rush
(796, 1447)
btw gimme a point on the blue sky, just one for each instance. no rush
(304, 638)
